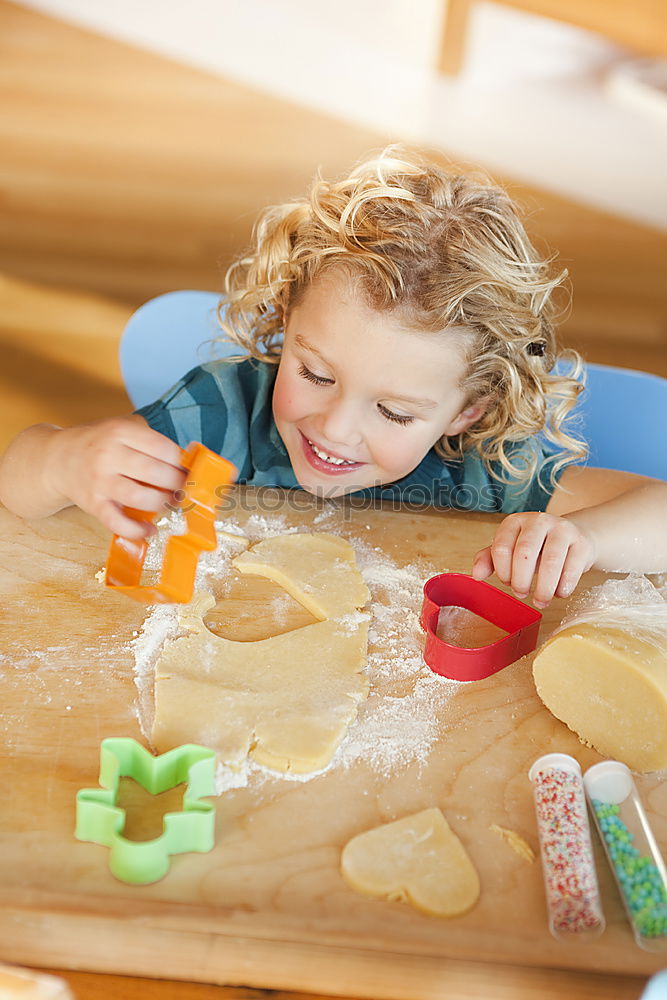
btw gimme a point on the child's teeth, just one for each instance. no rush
(328, 458)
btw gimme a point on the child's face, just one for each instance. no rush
(360, 398)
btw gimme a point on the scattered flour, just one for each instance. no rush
(350, 622)
(330, 509)
(280, 605)
(403, 715)
(160, 626)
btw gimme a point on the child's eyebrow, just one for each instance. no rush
(302, 342)
(424, 404)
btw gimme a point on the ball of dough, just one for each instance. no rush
(610, 687)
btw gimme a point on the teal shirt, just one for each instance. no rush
(227, 406)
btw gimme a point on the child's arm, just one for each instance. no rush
(100, 467)
(596, 519)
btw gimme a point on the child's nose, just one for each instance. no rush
(341, 424)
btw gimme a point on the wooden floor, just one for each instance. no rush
(123, 175)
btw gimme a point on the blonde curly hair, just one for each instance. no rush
(449, 251)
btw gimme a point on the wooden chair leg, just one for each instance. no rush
(453, 38)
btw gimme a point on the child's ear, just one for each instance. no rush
(467, 417)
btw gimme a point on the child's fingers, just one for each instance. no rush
(552, 561)
(536, 547)
(113, 517)
(565, 557)
(578, 562)
(528, 551)
(129, 493)
(502, 548)
(135, 433)
(510, 561)
(482, 565)
(157, 446)
(143, 468)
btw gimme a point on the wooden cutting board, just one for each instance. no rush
(268, 906)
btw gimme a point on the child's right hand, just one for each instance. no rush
(110, 464)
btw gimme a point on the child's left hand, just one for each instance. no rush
(553, 551)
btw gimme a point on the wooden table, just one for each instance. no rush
(268, 907)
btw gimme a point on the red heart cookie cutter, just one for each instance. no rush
(461, 663)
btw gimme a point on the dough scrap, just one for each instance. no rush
(610, 687)
(417, 860)
(285, 701)
(515, 841)
(25, 984)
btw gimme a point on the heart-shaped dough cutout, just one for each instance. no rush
(286, 700)
(417, 860)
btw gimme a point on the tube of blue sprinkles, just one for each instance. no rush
(631, 849)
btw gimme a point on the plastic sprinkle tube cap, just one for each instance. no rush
(554, 761)
(610, 781)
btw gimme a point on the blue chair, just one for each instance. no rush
(622, 413)
(165, 338)
(623, 417)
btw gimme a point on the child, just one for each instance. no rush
(400, 328)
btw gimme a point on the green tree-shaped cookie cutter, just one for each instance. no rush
(100, 821)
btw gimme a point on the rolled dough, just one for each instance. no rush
(610, 687)
(285, 701)
(417, 860)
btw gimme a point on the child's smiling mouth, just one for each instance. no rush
(324, 461)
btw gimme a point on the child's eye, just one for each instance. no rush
(398, 418)
(312, 377)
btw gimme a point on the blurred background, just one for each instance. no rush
(140, 138)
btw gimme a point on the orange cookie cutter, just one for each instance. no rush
(209, 473)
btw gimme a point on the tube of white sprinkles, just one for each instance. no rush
(570, 879)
